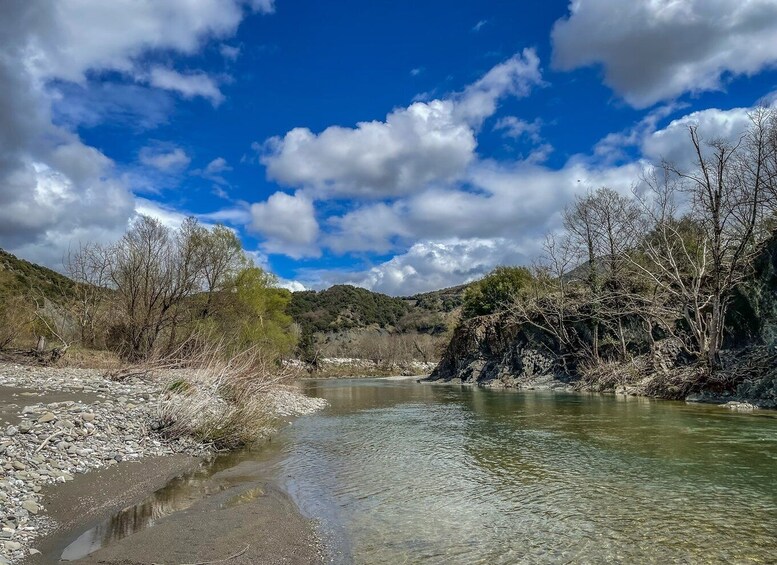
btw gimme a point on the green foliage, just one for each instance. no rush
(19, 277)
(344, 307)
(259, 312)
(492, 292)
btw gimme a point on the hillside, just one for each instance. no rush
(345, 307)
(18, 277)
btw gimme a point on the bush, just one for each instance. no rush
(497, 289)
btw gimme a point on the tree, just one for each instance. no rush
(88, 267)
(695, 263)
(495, 291)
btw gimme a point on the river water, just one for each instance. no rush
(400, 472)
(403, 472)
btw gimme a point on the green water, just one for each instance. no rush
(400, 472)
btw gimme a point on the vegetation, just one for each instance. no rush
(664, 263)
(495, 291)
(344, 307)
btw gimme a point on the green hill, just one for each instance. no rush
(20, 277)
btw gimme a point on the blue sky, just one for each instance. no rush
(400, 146)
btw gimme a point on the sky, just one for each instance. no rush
(398, 145)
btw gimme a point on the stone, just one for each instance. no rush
(19, 466)
(12, 545)
(47, 417)
(31, 506)
(11, 431)
(88, 417)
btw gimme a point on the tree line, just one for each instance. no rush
(662, 261)
(159, 289)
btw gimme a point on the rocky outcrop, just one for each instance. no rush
(493, 351)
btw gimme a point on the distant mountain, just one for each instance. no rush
(345, 307)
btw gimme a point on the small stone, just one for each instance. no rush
(34, 552)
(47, 417)
(31, 506)
(11, 431)
(88, 417)
(12, 545)
(19, 466)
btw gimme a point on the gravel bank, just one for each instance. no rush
(49, 442)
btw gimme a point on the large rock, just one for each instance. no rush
(494, 351)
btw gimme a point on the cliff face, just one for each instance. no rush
(493, 351)
(753, 314)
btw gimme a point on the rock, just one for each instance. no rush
(34, 552)
(31, 506)
(11, 431)
(19, 466)
(12, 545)
(47, 417)
(88, 417)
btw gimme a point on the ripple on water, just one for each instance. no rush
(410, 473)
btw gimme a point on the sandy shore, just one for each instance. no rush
(76, 449)
(200, 512)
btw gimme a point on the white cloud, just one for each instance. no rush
(517, 202)
(478, 26)
(293, 286)
(187, 85)
(229, 52)
(659, 49)
(516, 128)
(165, 160)
(514, 77)
(433, 264)
(54, 189)
(289, 224)
(218, 165)
(425, 143)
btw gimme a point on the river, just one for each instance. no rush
(396, 471)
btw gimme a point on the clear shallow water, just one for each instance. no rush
(400, 472)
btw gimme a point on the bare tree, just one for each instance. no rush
(88, 267)
(695, 260)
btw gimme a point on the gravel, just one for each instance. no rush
(53, 441)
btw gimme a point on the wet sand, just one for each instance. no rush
(210, 513)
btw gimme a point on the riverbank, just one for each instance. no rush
(355, 368)
(58, 423)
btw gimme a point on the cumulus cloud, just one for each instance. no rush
(433, 264)
(289, 224)
(164, 160)
(425, 143)
(516, 128)
(658, 50)
(54, 189)
(520, 201)
(187, 85)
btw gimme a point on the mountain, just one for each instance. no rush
(345, 307)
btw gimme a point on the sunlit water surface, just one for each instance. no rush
(400, 472)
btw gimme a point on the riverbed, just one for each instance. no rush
(395, 471)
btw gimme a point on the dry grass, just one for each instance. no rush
(219, 401)
(83, 358)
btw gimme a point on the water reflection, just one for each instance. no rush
(180, 493)
(431, 474)
(400, 472)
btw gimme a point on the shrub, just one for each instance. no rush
(491, 293)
